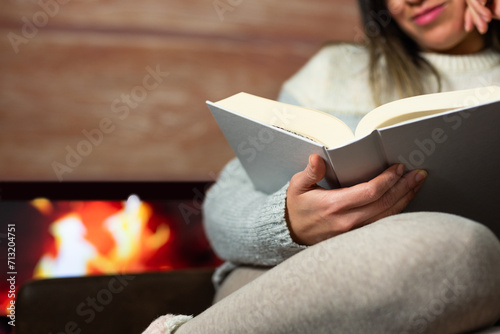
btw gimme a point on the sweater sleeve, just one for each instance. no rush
(246, 226)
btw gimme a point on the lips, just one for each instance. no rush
(428, 15)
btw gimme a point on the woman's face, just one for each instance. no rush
(436, 25)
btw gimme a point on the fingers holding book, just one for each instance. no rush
(315, 214)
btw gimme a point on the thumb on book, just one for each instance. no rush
(315, 171)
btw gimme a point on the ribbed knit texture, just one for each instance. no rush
(245, 226)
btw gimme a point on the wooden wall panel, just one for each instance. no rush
(73, 76)
(312, 20)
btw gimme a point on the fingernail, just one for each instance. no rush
(311, 163)
(400, 170)
(421, 175)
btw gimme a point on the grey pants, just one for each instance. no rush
(409, 273)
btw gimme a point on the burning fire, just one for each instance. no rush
(87, 244)
(79, 238)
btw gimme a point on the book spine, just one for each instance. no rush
(358, 161)
(330, 181)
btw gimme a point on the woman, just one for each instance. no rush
(297, 257)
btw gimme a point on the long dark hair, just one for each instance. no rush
(404, 68)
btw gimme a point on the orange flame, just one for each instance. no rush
(78, 252)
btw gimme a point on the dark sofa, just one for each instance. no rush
(110, 304)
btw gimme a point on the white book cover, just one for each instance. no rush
(460, 149)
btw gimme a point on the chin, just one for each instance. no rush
(446, 45)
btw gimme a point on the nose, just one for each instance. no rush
(398, 5)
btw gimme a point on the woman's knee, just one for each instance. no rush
(460, 252)
(450, 230)
(446, 239)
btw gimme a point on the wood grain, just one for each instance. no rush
(73, 77)
(299, 20)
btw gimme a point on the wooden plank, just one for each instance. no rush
(68, 66)
(312, 21)
(65, 83)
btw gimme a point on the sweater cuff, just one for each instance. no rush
(277, 224)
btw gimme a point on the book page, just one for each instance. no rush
(460, 151)
(269, 155)
(313, 124)
(416, 107)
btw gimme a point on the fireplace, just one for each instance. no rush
(77, 237)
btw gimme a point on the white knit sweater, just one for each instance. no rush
(245, 226)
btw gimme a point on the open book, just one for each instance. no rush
(454, 136)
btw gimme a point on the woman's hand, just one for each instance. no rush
(479, 13)
(315, 214)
